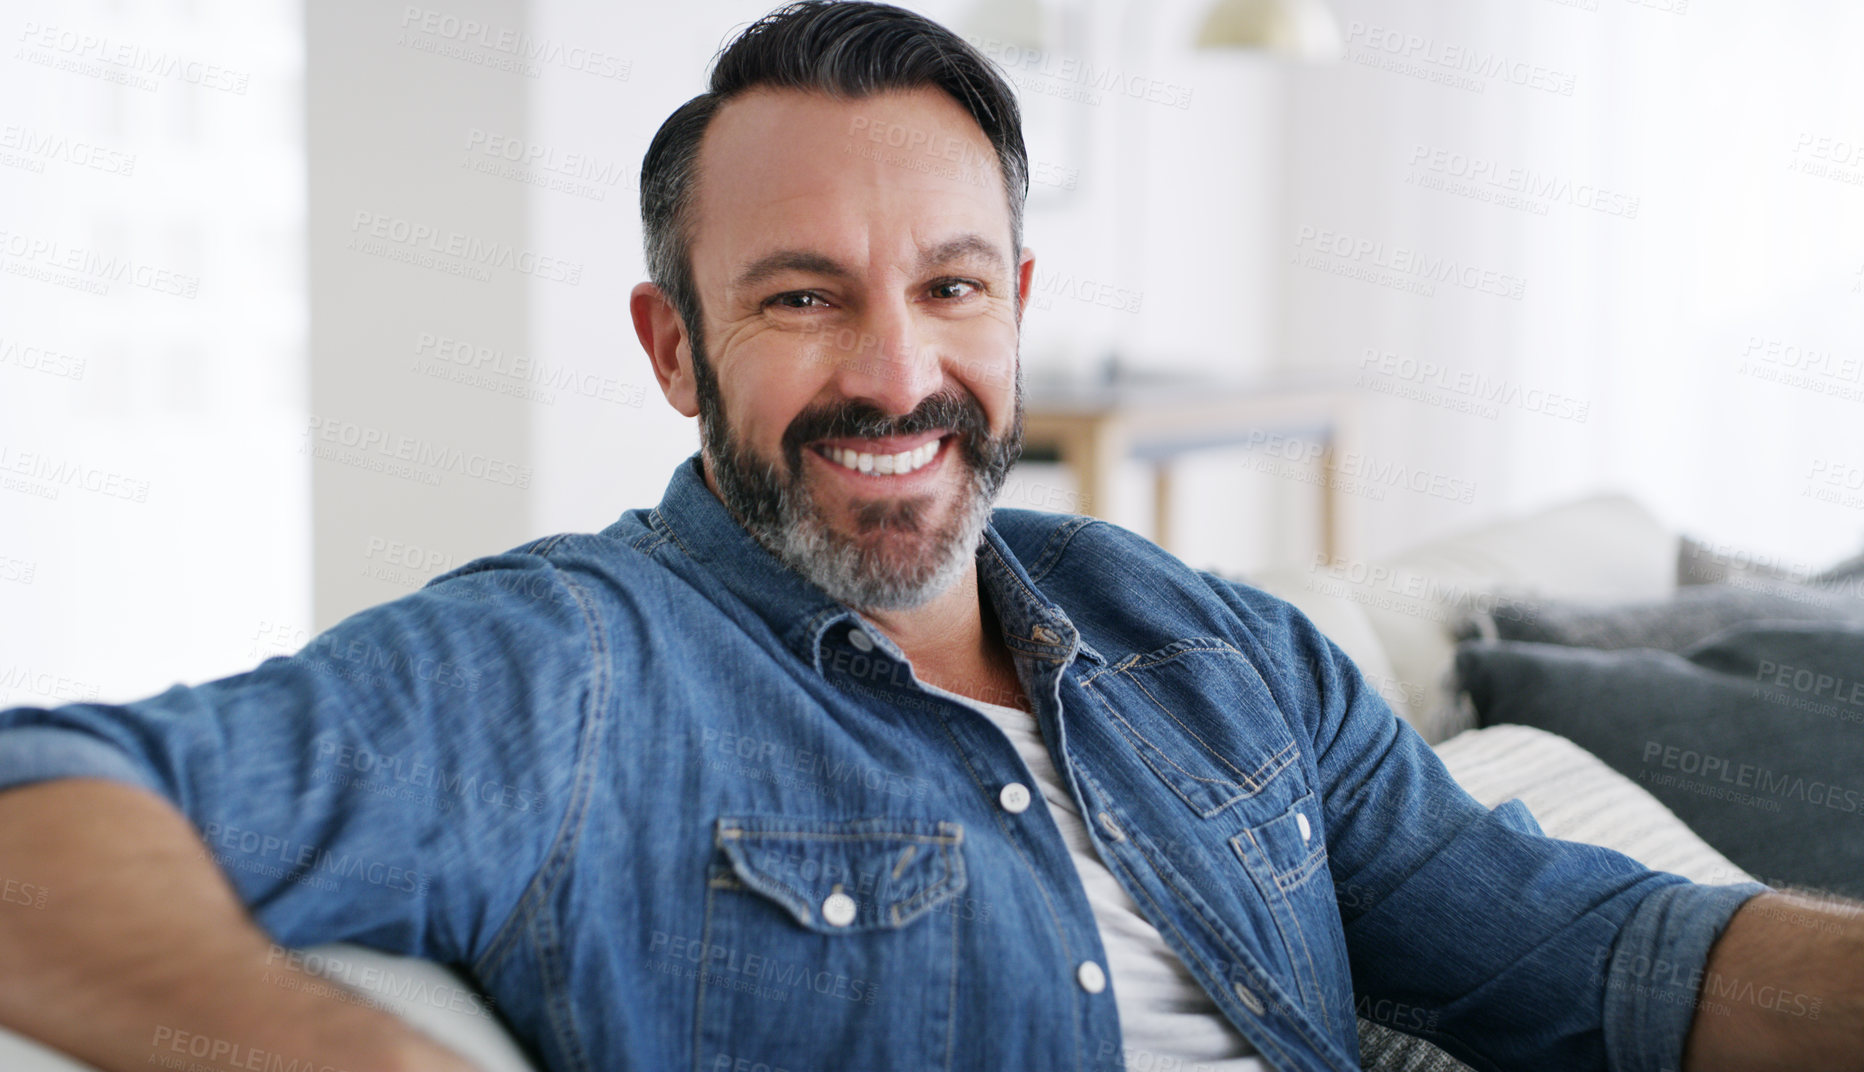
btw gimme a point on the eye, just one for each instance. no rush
(953, 289)
(797, 299)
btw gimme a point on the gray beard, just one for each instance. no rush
(892, 561)
(860, 570)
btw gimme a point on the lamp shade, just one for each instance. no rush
(1016, 23)
(1299, 29)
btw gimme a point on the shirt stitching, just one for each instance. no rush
(1319, 1044)
(1050, 555)
(1036, 606)
(661, 528)
(1216, 932)
(705, 939)
(1214, 754)
(951, 1001)
(736, 833)
(1061, 932)
(1243, 791)
(1172, 923)
(1286, 884)
(555, 867)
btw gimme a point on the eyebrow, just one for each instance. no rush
(770, 265)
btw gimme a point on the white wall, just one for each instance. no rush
(1699, 115)
(600, 454)
(423, 270)
(154, 511)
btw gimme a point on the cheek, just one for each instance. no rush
(993, 382)
(764, 392)
(982, 356)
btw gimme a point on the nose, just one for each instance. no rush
(885, 358)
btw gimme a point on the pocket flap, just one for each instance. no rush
(838, 876)
(1287, 849)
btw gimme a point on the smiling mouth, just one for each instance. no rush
(876, 463)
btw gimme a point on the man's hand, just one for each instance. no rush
(119, 935)
(1783, 989)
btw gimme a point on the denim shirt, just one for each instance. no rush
(672, 807)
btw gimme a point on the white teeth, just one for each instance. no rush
(906, 461)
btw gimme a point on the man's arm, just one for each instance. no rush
(1532, 952)
(396, 784)
(1783, 989)
(122, 943)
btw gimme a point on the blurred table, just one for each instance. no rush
(1092, 427)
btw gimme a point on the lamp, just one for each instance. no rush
(1298, 29)
(1016, 23)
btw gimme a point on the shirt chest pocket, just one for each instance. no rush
(1198, 714)
(1287, 852)
(830, 943)
(1200, 718)
(1286, 858)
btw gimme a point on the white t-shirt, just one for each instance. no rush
(1167, 1022)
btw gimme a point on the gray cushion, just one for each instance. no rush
(1846, 576)
(1702, 563)
(1691, 616)
(1382, 1049)
(1754, 737)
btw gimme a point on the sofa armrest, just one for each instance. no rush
(426, 995)
(1576, 797)
(20, 1054)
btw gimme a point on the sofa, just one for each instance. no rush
(1398, 618)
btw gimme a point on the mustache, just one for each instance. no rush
(950, 410)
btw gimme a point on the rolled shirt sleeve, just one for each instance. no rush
(396, 783)
(33, 751)
(1656, 973)
(1523, 950)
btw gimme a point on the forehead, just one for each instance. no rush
(888, 175)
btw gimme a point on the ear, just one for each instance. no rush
(1025, 282)
(657, 324)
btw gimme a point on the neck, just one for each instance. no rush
(955, 643)
(953, 640)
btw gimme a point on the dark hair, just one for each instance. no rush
(844, 49)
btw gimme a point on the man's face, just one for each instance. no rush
(861, 307)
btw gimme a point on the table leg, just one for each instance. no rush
(1329, 503)
(1162, 496)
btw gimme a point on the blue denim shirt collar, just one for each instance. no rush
(801, 613)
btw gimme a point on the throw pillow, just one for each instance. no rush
(1691, 616)
(1754, 738)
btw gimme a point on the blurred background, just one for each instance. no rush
(302, 304)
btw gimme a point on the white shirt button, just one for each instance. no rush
(1091, 978)
(1014, 797)
(838, 909)
(1300, 820)
(861, 641)
(1248, 998)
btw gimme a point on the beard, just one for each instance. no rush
(901, 553)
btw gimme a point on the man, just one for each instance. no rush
(820, 764)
